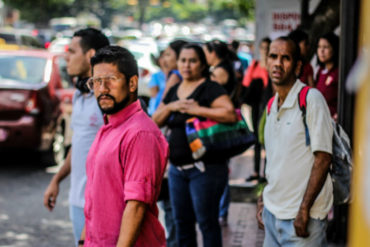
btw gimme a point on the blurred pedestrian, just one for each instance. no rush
(157, 84)
(306, 73)
(240, 60)
(173, 77)
(222, 70)
(85, 122)
(170, 55)
(258, 90)
(195, 186)
(327, 76)
(126, 162)
(298, 196)
(219, 58)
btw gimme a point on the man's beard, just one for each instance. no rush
(116, 107)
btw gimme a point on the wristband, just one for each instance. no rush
(81, 242)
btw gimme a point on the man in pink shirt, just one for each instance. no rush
(126, 162)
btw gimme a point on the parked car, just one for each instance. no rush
(59, 45)
(20, 37)
(31, 86)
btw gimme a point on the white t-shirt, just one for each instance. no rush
(289, 160)
(87, 119)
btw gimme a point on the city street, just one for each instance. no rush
(25, 222)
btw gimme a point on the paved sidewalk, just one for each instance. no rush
(242, 227)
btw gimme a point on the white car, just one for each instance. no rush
(144, 53)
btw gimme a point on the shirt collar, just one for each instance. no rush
(293, 94)
(124, 114)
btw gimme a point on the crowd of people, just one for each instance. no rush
(124, 160)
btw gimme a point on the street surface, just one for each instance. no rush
(24, 221)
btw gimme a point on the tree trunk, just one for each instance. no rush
(142, 8)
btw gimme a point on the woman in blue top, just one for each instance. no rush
(170, 56)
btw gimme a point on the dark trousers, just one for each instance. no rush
(195, 197)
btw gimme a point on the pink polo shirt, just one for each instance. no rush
(126, 162)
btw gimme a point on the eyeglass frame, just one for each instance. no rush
(103, 79)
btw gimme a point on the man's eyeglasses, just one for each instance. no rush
(96, 82)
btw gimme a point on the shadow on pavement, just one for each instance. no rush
(15, 160)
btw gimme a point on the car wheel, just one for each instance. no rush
(58, 147)
(55, 154)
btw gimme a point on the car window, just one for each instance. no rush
(9, 38)
(22, 69)
(137, 54)
(30, 41)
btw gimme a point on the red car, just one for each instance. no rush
(31, 92)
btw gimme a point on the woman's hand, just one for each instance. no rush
(190, 107)
(183, 106)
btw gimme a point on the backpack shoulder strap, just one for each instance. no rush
(269, 104)
(302, 102)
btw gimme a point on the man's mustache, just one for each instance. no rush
(106, 95)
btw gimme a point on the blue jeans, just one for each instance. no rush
(78, 221)
(282, 232)
(225, 202)
(169, 223)
(195, 197)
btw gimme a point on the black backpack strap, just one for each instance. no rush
(302, 102)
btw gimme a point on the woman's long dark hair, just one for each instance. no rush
(202, 57)
(221, 49)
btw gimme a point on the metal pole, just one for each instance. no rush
(349, 22)
(348, 51)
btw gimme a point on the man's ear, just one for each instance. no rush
(90, 53)
(133, 84)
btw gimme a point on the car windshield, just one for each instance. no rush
(137, 54)
(22, 68)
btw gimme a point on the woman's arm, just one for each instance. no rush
(220, 76)
(221, 110)
(164, 110)
(153, 91)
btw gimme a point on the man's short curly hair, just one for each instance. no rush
(119, 56)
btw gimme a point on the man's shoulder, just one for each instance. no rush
(142, 123)
(315, 97)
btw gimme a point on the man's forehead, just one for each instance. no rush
(76, 42)
(281, 47)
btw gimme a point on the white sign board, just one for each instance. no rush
(283, 21)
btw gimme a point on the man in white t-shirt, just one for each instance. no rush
(86, 120)
(298, 195)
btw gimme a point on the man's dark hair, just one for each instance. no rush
(91, 38)
(235, 44)
(119, 56)
(265, 40)
(298, 36)
(296, 54)
(177, 45)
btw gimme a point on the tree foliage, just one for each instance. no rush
(41, 11)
